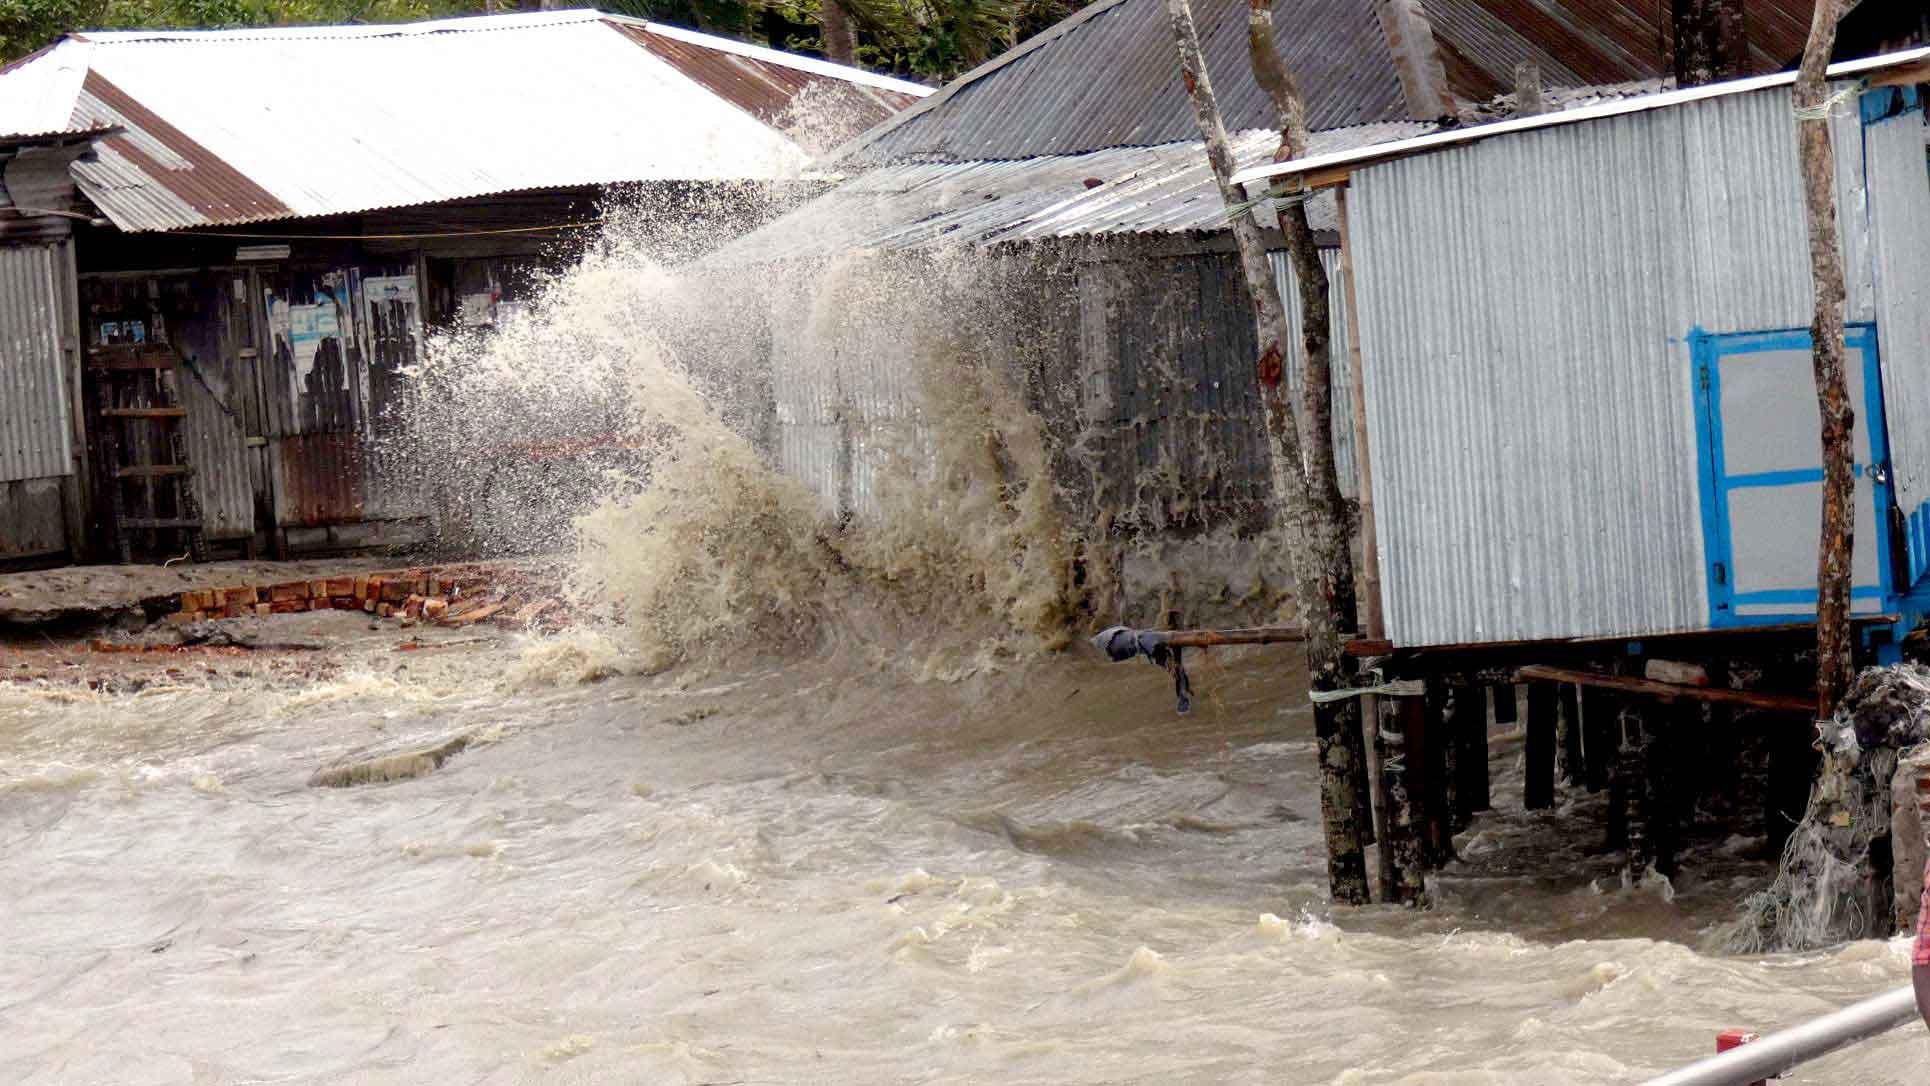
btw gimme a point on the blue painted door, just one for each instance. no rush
(1762, 475)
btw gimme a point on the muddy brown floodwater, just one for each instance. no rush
(802, 871)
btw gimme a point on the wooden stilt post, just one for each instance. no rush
(1429, 764)
(1605, 738)
(1633, 781)
(1599, 742)
(1363, 779)
(1504, 703)
(1471, 752)
(1385, 832)
(1538, 788)
(1573, 765)
(1333, 723)
(1404, 877)
(1447, 745)
(1671, 794)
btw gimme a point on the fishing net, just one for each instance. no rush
(1834, 881)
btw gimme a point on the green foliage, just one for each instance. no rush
(26, 25)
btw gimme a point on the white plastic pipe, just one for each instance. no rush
(1778, 1052)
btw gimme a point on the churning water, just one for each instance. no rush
(800, 802)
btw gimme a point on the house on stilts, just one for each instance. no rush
(1592, 426)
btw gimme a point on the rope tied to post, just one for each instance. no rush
(1390, 688)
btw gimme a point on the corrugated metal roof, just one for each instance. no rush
(1120, 190)
(39, 93)
(1108, 77)
(1581, 42)
(1361, 155)
(240, 126)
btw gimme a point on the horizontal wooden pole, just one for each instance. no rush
(1256, 635)
(1629, 684)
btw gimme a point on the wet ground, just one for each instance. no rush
(799, 871)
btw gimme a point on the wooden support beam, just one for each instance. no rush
(1505, 709)
(1630, 684)
(1538, 788)
(1630, 799)
(1573, 766)
(1471, 789)
(1403, 874)
(1372, 623)
(1599, 734)
(1448, 759)
(1427, 764)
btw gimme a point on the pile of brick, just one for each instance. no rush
(446, 596)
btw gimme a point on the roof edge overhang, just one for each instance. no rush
(1323, 171)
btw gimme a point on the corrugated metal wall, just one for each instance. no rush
(1900, 232)
(1524, 302)
(1141, 366)
(36, 423)
(1342, 384)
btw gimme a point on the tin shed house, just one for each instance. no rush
(1584, 340)
(282, 251)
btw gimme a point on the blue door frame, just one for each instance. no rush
(1706, 352)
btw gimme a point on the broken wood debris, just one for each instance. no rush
(406, 765)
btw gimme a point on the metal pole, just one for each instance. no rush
(1779, 1052)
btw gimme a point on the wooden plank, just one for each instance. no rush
(137, 470)
(144, 412)
(160, 522)
(1629, 684)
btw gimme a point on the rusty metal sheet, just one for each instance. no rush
(210, 188)
(761, 87)
(1583, 42)
(321, 480)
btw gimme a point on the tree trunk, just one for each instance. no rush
(1316, 340)
(1309, 537)
(834, 25)
(1837, 545)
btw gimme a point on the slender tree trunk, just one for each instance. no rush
(834, 24)
(1316, 389)
(1309, 535)
(1832, 390)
